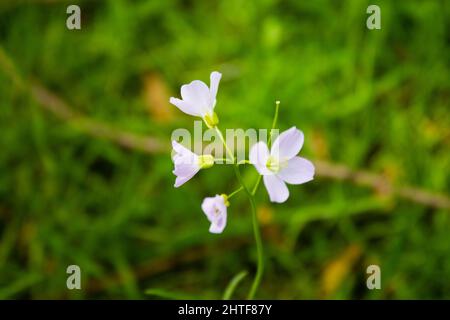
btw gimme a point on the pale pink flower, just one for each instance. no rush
(187, 163)
(215, 209)
(198, 100)
(281, 165)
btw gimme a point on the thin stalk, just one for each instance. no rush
(255, 187)
(256, 231)
(274, 122)
(257, 235)
(224, 143)
(235, 191)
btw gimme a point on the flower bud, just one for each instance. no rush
(211, 120)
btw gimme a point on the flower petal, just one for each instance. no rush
(216, 212)
(299, 170)
(288, 144)
(184, 173)
(197, 95)
(214, 86)
(183, 154)
(179, 181)
(277, 189)
(218, 225)
(179, 148)
(186, 107)
(207, 206)
(185, 170)
(258, 156)
(186, 164)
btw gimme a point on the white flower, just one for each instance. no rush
(199, 100)
(281, 165)
(215, 209)
(187, 163)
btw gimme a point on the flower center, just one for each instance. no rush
(216, 211)
(275, 165)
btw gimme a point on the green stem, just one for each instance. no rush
(234, 192)
(256, 231)
(255, 187)
(274, 122)
(257, 234)
(224, 143)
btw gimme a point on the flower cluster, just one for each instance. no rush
(277, 166)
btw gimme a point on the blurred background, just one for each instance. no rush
(85, 168)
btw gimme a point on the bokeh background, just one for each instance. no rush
(85, 168)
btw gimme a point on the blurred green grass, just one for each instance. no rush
(375, 100)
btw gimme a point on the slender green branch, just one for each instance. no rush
(235, 191)
(229, 152)
(256, 231)
(257, 234)
(255, 187)
(274, 122)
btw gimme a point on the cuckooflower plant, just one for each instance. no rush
(277, 164)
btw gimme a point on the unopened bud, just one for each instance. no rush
(211, 120)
